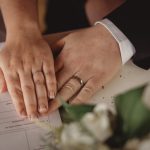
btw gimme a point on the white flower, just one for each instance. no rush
(101, 108)
(98, 123)
(73, 135)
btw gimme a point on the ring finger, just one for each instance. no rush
(69, 90)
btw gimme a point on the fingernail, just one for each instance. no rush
(43, 109)
(52, 95)
(33, 117)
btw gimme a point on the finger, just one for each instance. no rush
(86, 93)
(29, 95)
(3, 86)
(59, 63)
(69, 89)
(41, 92)
(67, 92)
(63, 76)
(55, 104)
(49, 73)
(14, 88)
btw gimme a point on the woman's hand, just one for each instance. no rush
(91, 55)
(27, 64)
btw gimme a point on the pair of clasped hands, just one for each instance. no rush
(34, 78)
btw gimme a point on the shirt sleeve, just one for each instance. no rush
(127, 49)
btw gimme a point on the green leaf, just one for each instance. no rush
(71, 113)
(133, 115)
(74, 112)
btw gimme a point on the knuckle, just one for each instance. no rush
(38, 78)
(12, 80)
(49, 73)
(9, 59)
(27, 63)
(28, 87)
(5, 64)
(16, 65)
(17, 92)
(4, 54)
(39, 82)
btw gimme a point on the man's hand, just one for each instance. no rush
(92, 55)
(27, 64)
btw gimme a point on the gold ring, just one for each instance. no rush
(78, 79)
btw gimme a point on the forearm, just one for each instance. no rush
(19, 15)
(97, 9)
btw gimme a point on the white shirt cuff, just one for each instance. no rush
(127, 49)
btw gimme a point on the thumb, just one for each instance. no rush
(3, 86)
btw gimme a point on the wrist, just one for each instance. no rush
(106, 36)
(107, 42)
(126, 48)
(30, 30)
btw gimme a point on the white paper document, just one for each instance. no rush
(21, 134)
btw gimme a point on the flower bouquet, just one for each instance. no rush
(89, 127)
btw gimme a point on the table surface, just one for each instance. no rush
(129, 77)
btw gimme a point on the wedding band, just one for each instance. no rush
(78, 79)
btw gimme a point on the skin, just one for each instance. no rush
(93, 55)
(97, 9)
(26, 59)
(92, 49)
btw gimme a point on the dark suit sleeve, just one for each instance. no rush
(133, 19)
